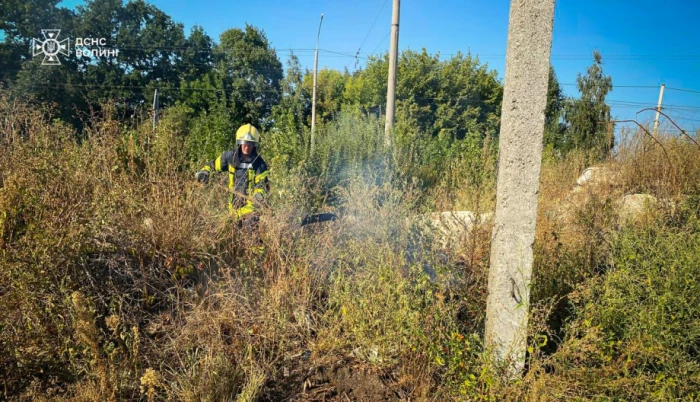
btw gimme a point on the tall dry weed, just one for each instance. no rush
(179, 302)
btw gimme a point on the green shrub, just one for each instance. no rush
(635, 332)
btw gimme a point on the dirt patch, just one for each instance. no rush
(360, 385)
(346, 381)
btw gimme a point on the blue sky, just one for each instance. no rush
(643, 42)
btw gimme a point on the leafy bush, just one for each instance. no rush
(634, 333)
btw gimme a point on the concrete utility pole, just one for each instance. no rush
(658, 110)
(156, 107)
(520, 157)
(313, 97)
(393, 60)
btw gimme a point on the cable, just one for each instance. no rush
(680, 107)
(589, 57)
(644, 86)
(370, 28)
(483, 56)
(618, 86)
(382, 41)
(684, 90)
(653, 104)
(463, 99)
(679, 117)
(686, 114)
(342, 54)
(163, 89)
(615, 102)
(191, 49)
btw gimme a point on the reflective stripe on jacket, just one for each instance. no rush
(247, 175)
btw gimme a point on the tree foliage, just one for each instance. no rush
(251, 74)
(446, 107)
(452, 97)
(330, 87)
(588, 118)
(242, 70)
(288, 141)
(554, 126)
(583, 123)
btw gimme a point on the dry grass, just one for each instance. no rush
(122, 279)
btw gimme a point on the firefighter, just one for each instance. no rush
(247, 172)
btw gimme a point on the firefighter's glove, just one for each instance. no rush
(258, 197)
(202, 176)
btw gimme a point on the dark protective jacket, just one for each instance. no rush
(247, 176)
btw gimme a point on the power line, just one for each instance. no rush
(684, 90)
(163, 89)
(686, 113)
(652, 104)
(469, 99)
(680, 107)
(382, 41)
(189, 47)
(618, 86)
(342, 54)
(589, 57)
(644, 86)
(370, 28)
(682, 117)
(464, 97)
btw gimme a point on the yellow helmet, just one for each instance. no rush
(247, 134)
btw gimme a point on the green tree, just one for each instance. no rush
(448, 98)
(239, 78)
(366, 88)
(295, 103)
(242, 87)
(197, 58)
(288, 141)
(29, 80)
(554, 128)
(445, 108)
(149, 44)
(58, 86)
(588, 118)
(204, 93)
(251, 75)
(200, 88)
(468, 98)
(22, 20)
(330, 87)
(212, 133)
